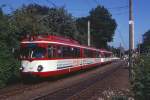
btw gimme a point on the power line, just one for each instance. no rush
(113, 8)
(119, 7)
(87, 1)
(96, 2)
(121, 37)
(36, 1)
(49, 1)
(85, 12)
(120, 13)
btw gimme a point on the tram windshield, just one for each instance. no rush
(36, 52)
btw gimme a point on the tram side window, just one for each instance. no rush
(76, 52)
(54, 51)
(50, 51)
(38, 52)
(97, 54)
(70, 52)
(66, 52)
(85, 53)
(59, 52)
(88, 53)
(24, 52)
(103, 55)
(107, 55)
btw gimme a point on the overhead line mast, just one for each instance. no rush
(131, 37)
(89, 35)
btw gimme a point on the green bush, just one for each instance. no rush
(8, 64)
(141, 84)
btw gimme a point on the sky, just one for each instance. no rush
(118, 9)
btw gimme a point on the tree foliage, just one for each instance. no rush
(116, 51)
(141, 84)
(102, 26)
(146, 42)
(8, 64)
(145, 46)
(36, 19)
(146, 38)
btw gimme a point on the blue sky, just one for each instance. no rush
(118, 9)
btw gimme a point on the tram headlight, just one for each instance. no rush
(40, 68)
(21, 68)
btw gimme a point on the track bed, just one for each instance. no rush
(65, 88)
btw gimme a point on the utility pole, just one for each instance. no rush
(140, 41)
(131, 37)
(139, 47)
(89, 36)
(120, 50)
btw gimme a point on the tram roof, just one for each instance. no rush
(58, 40)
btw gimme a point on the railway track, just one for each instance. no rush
(19, 88)
(63, 91)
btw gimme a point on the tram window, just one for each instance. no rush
(59, 52)
(72, 52)
(76, 52)
(38, 52)
(91, 53)
(25, 53)
(102, 55)
(97, 54)
(88, 53)
(68, 52)
(62, 52)
(50, 51)
(65, 52)
(107, 55)
(85, 53)
(55, 51)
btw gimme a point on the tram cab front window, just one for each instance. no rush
(36, 52)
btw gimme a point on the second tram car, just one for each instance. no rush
(47, 55)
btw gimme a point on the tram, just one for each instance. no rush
(48, 55)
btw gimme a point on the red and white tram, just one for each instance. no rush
(48, 55)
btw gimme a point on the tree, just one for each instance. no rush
(141, 82)
(37, 19)
(26, 19)
(81, 24)
(102, 26)
(146, 39)
(145, 46)
(115, 51)
(8, 41)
